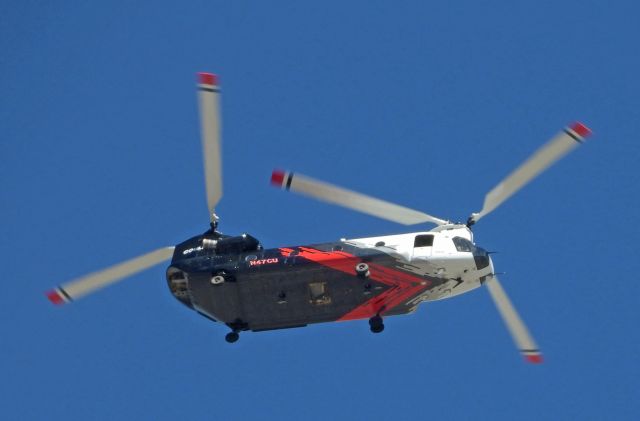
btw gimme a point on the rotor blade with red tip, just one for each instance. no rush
(519, 332)
(552, 151)
(209, 102)
(90, 283)
(349, 199)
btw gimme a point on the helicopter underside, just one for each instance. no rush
(292, 287)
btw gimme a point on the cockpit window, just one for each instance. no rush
(424, 240)
(462, 244)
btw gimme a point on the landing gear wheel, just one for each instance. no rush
(362, 270)
(376, 324)
(217, 280)
(377, 328)
(232, 337)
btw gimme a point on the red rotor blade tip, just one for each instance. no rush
(277, 177)
(208, 78)
(55, 297)
(534, 359)
(580, 129)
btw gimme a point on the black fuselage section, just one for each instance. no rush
(235, 281)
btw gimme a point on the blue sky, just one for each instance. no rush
(427, 105)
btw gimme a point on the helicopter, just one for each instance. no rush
(234, 280)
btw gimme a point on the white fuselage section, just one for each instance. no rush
(445, 252)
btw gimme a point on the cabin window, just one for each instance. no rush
(318, 294)
(424, 240)
(462, 244)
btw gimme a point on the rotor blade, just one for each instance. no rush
(551, 152)
(516, 326)
(209, 94)
(87, 284)
(350, 199)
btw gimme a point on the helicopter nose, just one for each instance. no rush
(481, 258)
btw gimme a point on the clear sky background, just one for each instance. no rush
(427, 104)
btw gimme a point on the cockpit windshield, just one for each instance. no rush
(462, 244)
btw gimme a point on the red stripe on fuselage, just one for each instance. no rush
(403, 285)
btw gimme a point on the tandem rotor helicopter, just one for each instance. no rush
(235, 281)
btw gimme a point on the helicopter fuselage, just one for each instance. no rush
(235, 281)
